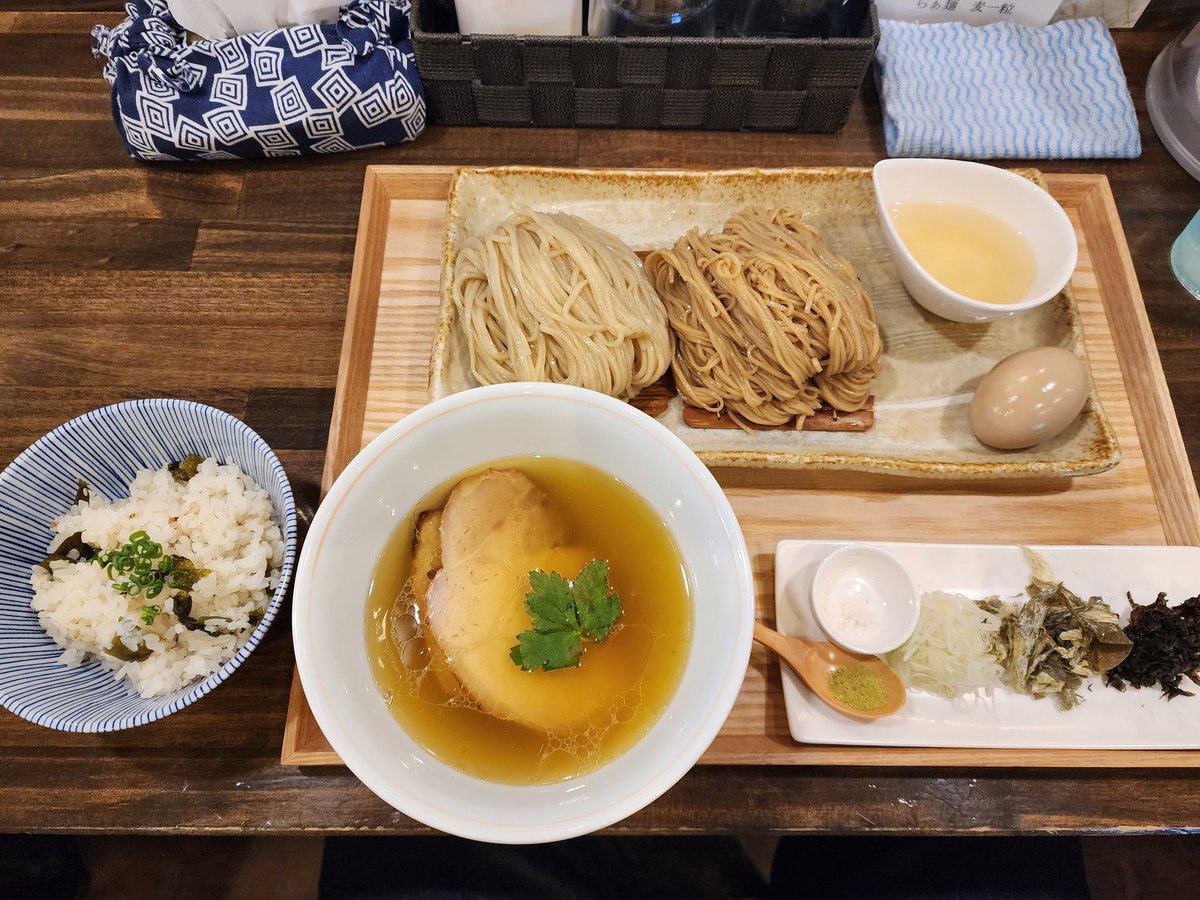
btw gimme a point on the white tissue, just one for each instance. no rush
(228, 18)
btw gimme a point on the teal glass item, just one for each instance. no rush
(1185, 257)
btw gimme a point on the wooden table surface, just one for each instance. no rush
(102, 259)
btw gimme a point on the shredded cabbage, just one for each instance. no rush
(949, 653)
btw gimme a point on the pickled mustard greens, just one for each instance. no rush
(185, 469)
(73, 549)
(1166, 647)
(564, 614)
(1054, 640)
(859, 687)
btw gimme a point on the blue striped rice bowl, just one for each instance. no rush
(107, 448)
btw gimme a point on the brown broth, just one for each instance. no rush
(643, 658)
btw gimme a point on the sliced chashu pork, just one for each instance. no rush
(496, 527)
(426, 553)
(426, 563)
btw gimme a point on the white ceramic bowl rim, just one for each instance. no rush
(589, 809)
(141, 711)
(902, 623)
(1059, 275)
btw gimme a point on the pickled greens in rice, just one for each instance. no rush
(949, 653)
(1051, 642)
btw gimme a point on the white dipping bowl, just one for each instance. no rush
(872, 586)
(1015, 200)
(426, 449)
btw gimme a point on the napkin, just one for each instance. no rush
(229, 18)
(1004, 91)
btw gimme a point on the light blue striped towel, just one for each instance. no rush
(1004, 91)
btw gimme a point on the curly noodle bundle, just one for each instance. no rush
(549, 297)
(769, 323)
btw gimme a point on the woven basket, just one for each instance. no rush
(720, 84)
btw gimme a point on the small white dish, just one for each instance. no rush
(865, 600)
(1015, 200)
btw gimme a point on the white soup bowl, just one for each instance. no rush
(430, 447)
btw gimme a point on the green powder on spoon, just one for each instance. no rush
(859, 687)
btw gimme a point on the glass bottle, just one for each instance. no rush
(653, 18)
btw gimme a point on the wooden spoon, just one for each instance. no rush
(814, 660)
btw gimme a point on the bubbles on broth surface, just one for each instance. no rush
(623, 683)
(429, 678)
(427, 673)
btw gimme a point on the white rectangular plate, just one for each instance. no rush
(1107, 719)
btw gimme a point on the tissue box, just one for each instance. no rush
(721, 84)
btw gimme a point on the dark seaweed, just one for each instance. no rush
(185, 470)
(183, 612)
(182, 607)
(82, 493)
(118, 650)
(1166, 647)
(73, 549)
(184, 574)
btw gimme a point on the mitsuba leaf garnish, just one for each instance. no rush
(597, 605)
(564, 614)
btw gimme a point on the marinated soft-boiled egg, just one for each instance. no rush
(1028, 398)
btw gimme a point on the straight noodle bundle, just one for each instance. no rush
(549, 297)
(769, 323)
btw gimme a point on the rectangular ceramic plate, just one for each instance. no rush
(1107, 718)
(931, 365)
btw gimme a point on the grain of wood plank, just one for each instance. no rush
(360, 327)
(48, 18)
(334, 183)
(315, 247)
(122, 243)
(35, 52)
(54, 145)
(604, 148)
(55, 99)
(308, 412)
(228, 328)
(131, 191)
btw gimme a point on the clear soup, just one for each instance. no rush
(968, 250)
(639, 665)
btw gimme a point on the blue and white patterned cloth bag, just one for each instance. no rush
(348, 85)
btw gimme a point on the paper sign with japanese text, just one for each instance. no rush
(970, 12)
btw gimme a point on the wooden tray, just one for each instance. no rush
(1149, 498)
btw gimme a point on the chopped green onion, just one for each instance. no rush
(141, 566)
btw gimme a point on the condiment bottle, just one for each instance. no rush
(797, 18)
(654, 18)
(548, 17)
